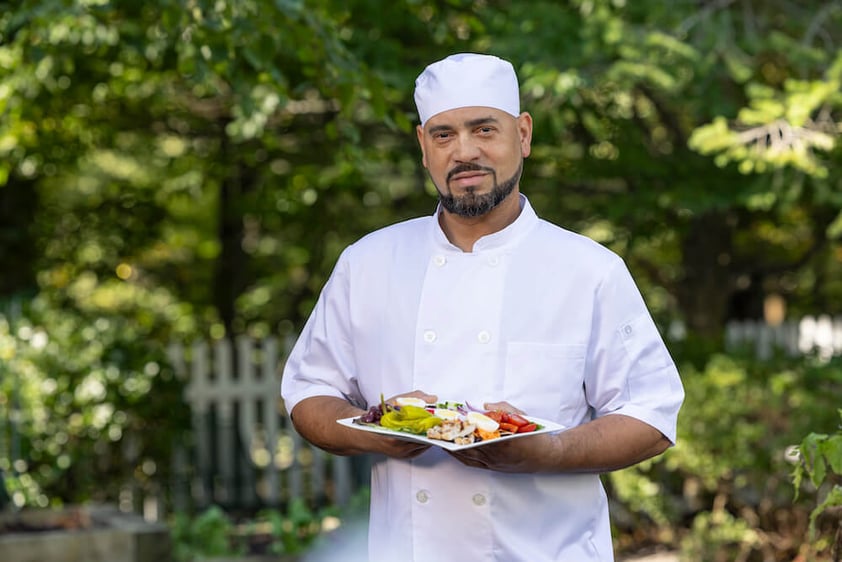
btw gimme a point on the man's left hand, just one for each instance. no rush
(510, 455)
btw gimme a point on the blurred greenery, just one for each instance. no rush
(820, 460)
(726, 492)
(216, 533)
(172, 170)
(94, 402)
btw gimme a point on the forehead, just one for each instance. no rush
(467, 116)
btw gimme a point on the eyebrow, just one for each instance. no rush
(469, 124)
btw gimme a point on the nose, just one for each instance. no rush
(466, 149)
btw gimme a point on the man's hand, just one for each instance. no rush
(396, 448)
(400, 448)
(607, 443)
(502, 407)
(427, 398)
(315, 419)
(512, 455)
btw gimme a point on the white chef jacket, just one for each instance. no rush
(535, 315)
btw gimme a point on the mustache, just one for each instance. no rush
(468, 167)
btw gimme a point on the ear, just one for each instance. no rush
(419, 132)
(524, 127)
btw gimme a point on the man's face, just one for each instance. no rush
(474, 156)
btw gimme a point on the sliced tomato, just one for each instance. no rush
(496, 415)
(508, 427)
(527, 428)
(516, 419)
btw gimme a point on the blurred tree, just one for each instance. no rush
(224, 153)
(646, 115)
(144, 128)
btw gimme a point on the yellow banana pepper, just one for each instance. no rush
(411, 419)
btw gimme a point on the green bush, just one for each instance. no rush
(90, 402)
(725, 492)
(214, 532)
(208, 534)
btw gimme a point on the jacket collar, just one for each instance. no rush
(495, 241)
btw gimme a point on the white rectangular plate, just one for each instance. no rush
(547, 427)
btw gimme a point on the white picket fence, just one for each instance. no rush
(819, 335)
(243, 451)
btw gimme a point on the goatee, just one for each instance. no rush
(472, 204)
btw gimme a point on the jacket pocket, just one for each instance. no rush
(546, 380)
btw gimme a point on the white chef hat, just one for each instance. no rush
(467, 79)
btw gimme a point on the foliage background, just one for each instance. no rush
(187, 169)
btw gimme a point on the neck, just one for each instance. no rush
(463, 232)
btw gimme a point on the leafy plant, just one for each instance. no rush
(716, 532)
(295, 530)
(820, 461)
(208, 534)
(213, 532)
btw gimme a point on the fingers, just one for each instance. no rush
(503, 407)
(412, 453)
(474, 459)
(401, 449)
(428, 398)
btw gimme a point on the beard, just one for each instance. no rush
(472, 204)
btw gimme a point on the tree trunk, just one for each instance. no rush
(704, 293)
(18, 249)
(233, 274)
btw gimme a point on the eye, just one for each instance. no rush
(485, 130)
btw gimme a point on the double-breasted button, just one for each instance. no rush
(422, 496)
(483, 337)
(493, 261)
(439, 260)
(429, 336)
(478, 499)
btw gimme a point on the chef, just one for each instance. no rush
(485, 302)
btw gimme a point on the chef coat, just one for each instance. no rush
(535, 315)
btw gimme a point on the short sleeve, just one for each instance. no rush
(629, 369)
(322, 363)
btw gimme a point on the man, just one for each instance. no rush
(486, 303)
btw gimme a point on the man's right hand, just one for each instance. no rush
(315, 419)
(398, 448)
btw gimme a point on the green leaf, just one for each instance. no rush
(831, 449)
(833, 499)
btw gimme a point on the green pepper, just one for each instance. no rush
(411, 419)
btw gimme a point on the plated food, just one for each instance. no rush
(450, 425)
